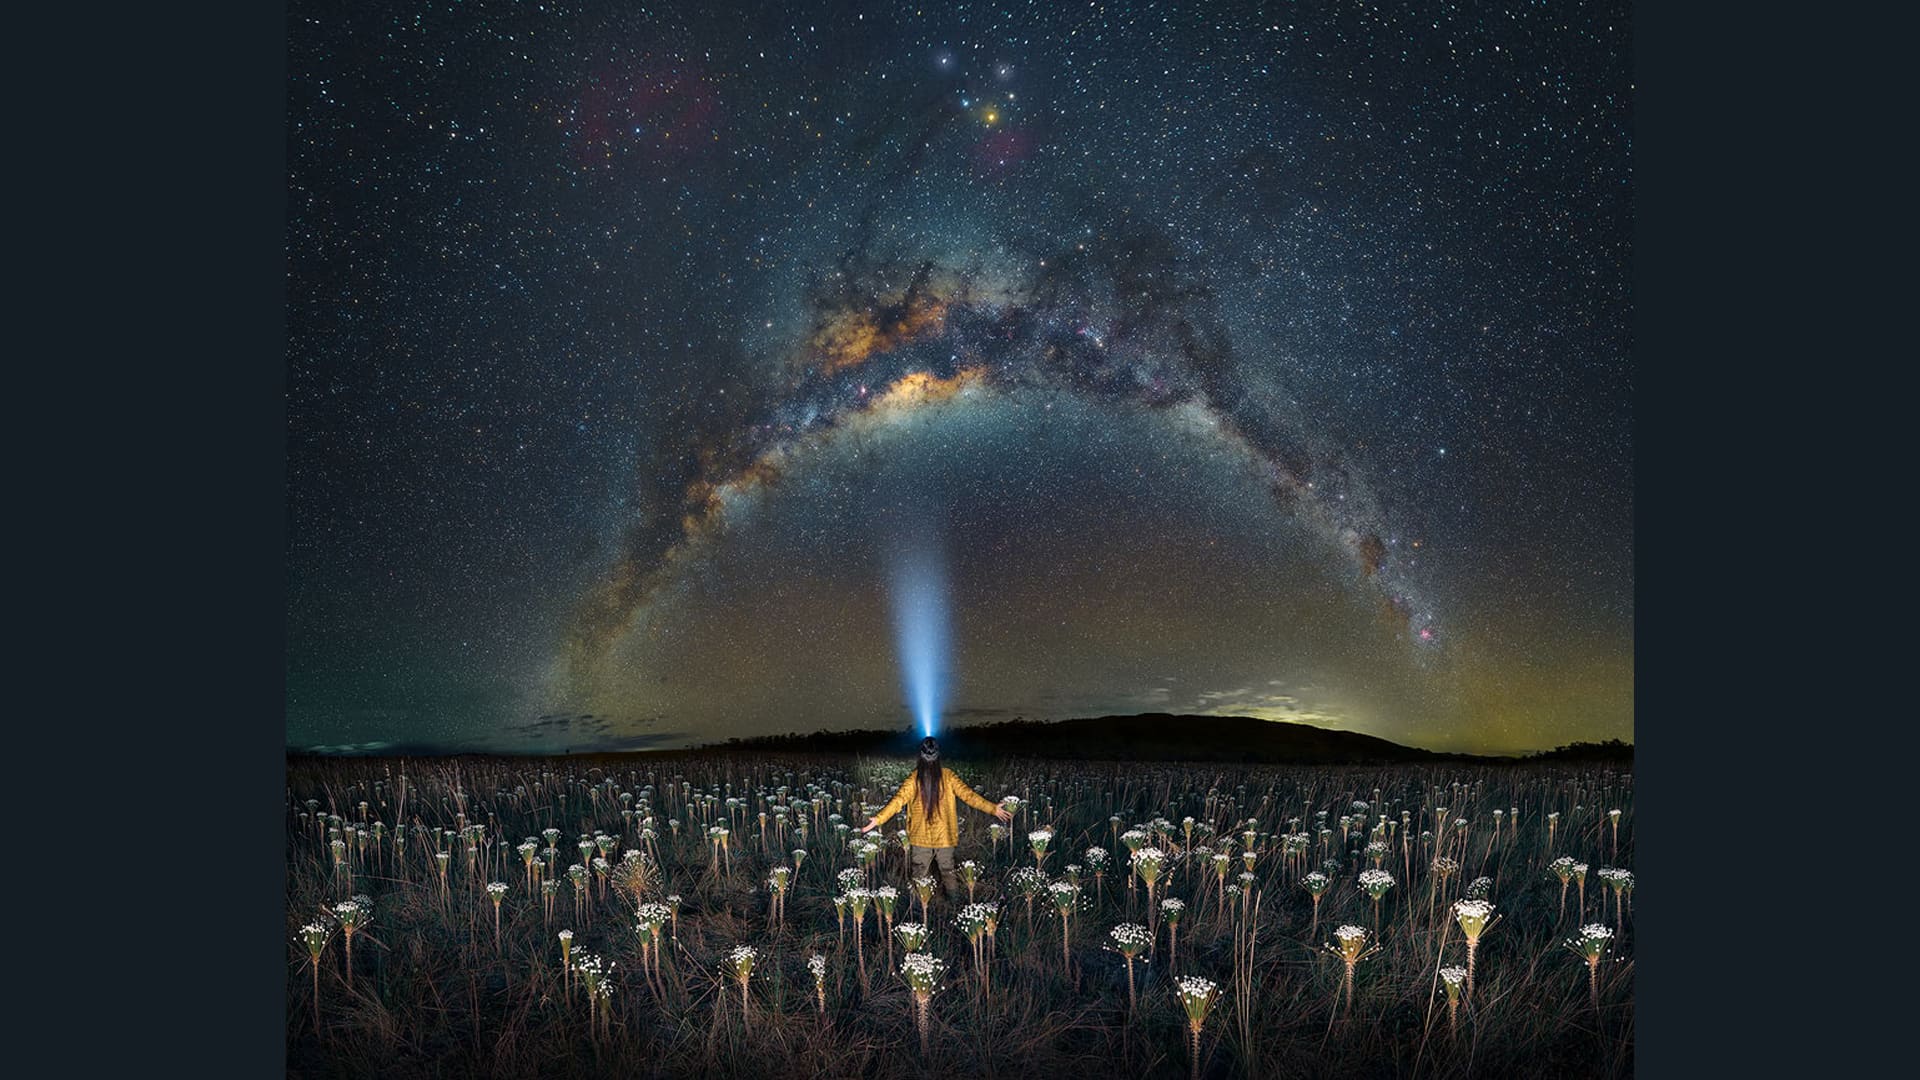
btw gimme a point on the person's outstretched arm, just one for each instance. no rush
(898, 804)
(974, 800)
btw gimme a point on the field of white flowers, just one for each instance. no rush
(716, 914)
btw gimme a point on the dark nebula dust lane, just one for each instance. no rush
(1128, 326)
(1272, 364)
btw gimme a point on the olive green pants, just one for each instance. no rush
(919, 859)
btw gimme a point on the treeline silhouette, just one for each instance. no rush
(1610, 750)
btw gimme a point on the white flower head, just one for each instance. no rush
(921, 970)
(973, 918)
(1196, 997)
(741, 960)
(1376, 882)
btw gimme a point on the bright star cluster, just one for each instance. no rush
(1267, 362)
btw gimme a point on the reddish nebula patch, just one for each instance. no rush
(660, 111)
(1003, 149)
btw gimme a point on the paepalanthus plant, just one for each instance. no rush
(1316, 885)
(884, 899)
(817, 966)
(596, 977)
(1171, 909)
(923, 892)
(1038, 840)
(1620, 882)
(1148, 862)
(973, 921)
(1591, 943)
(1131, 939)
(777, 881)
(740, 966)
(1453, 978)
(1375, 884)
(1197, 996)
(1475, 918)
(857, 900)
(315, 935)
(649, 917)
(1352, 949)
(1562, 868)
(353, 916)
(922, 972)
(1065, 893)
(1096, 858)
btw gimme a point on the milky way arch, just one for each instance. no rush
(1116, 320)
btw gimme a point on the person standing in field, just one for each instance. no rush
(933, 824)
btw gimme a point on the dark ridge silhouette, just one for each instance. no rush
(1142, 737)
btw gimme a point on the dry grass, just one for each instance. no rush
(431, 996)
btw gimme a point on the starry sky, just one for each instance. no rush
(1266, 360)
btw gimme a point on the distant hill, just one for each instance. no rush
(1140, 737)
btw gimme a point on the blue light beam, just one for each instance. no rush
(920, 632)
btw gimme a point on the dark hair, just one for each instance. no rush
(930, 775)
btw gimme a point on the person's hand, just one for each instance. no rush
(869, 826)
(1003, 813)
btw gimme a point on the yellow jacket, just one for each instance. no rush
(943, 828)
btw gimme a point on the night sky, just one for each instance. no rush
(1266, 360)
